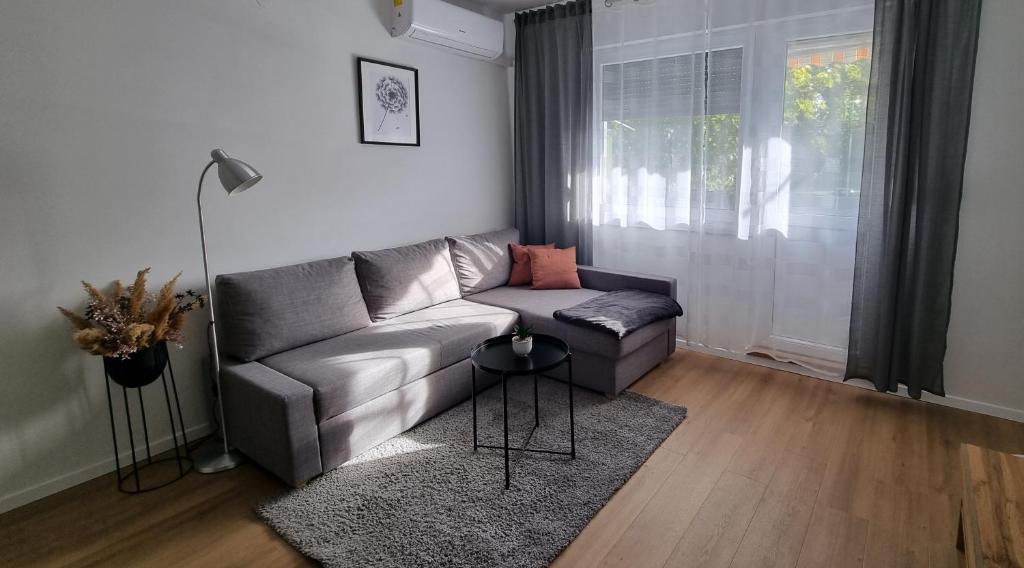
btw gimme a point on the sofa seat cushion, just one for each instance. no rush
(349, 370)
(536, 309)
(457, 326)
(353, 369)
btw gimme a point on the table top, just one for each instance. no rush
(495, 355)
(993, 507)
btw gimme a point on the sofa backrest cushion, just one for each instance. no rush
(270, 311)
(483, 261)
(405, 279)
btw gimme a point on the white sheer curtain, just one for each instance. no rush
(728, 150)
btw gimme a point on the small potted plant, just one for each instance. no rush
(522, 340)
(130, 328)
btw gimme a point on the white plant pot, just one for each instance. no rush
(522, 347)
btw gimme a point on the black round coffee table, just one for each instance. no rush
(495, 356)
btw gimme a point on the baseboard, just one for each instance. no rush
(951, 401)
(49, 487)
(966, 404)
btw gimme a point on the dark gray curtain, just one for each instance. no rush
(553, 122)
(918, 115)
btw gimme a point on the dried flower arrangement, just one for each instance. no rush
(130, 319)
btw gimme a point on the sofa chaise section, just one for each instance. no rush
(602, 361)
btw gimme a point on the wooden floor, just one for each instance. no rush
(769, 469)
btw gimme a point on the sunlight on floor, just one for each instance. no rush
(396, 447)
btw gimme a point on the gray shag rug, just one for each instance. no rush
(425, 498)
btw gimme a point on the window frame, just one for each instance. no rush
(774, 39)
(719, 219)
(802, 216)
(765, 48)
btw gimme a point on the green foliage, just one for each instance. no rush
(721, 150)
(819, 93)
(824, 122)
(522, 331)
(672, 144)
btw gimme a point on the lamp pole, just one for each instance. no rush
(236, 176)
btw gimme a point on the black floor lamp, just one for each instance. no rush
(236, 176)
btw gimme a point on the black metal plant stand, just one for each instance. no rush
(182, 455)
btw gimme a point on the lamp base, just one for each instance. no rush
(211, 458)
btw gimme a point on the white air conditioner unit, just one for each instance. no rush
(444, 25)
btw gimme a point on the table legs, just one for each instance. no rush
(504, 397)
(473, 367)
(572, 419)
(536, 420)
(960, 531)
(536, 404)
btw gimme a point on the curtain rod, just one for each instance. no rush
(610, 3)
(607, 3)
(542, 6)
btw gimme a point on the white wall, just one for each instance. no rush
(985, 359)
(108, 111)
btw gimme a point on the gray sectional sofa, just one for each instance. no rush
(324, 360)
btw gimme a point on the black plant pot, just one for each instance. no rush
(143, 367)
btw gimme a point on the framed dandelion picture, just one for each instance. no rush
(389, 103)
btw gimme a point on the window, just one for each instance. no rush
(651, 114)
(762, 234)
(825, 106)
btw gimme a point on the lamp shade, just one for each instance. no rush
(235, 175)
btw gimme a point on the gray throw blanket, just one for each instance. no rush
(621, 312)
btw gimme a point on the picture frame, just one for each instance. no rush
(389, 103)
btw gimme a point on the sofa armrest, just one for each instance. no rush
(607, 280)
(270, 419)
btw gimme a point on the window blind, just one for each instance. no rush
(672, 86)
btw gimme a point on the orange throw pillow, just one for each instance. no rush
(554, 268)
(522, 273)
